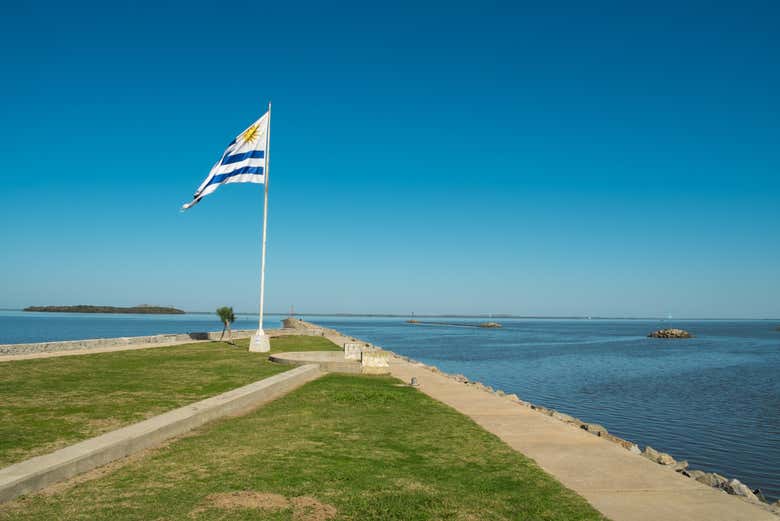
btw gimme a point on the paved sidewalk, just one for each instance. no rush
(622, 485)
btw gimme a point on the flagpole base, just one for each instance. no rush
(260, 342)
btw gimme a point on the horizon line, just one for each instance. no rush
(471, 315)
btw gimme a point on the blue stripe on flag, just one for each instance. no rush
(238, 171)
(235, 158)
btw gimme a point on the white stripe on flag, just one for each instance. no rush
(249, 170)
(226, 169)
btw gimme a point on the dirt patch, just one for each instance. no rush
(304, 508)
(307, 508)
(246, 499)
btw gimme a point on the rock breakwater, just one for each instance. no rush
(670, 333)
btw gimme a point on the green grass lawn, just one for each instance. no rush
(341, 447)
(49, 403)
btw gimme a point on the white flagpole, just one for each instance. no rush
(260, 342)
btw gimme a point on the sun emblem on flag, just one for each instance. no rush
(251, 134)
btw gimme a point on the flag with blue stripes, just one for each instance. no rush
(244, 161)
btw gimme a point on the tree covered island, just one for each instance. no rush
(83, 308)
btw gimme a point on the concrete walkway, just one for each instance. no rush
(622, 485)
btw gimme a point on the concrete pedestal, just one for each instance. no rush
(353, 351)
(260, 342)
(375, 362)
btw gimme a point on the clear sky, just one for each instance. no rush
(607, 159)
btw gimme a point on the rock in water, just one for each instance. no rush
(595, 428)
(712, 479)
(666, 459)
(632, 447)
(650, 453)
(737, 488)
(670, 333)
(565, 418)
(661, 458)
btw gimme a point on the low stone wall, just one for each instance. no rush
(292, 326)
(39, 472)
(97, 343)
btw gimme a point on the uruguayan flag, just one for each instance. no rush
(244, 161)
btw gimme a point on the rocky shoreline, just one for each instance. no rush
(727, 486)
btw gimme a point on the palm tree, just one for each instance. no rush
(227, 317)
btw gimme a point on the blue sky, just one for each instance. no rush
(430, 157)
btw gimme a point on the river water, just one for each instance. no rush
(713, 400)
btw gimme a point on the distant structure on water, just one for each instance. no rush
(490, 324)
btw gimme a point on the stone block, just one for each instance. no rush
(353, 351)
(375, 362)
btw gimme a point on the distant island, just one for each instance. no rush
(82, 308)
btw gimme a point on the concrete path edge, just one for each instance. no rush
(37, 473)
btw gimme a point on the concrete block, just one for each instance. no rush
(375, 362)
(353, 351)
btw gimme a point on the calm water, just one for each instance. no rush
(713, 400)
